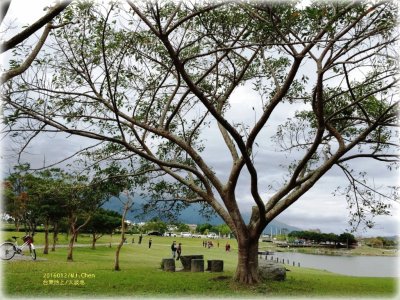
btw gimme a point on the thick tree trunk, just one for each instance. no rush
(46, 238)
(247, 268)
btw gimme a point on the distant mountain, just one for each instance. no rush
(191, 215)
(277, 227)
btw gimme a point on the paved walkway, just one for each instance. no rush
(41, 257)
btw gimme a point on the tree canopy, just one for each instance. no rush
(317, 237)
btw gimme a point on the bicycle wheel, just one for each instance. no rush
(33, 252)
(7, 251)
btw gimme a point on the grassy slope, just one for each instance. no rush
(141, 275)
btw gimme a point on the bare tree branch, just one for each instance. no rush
(27, 32)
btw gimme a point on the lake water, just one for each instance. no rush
(364, 266)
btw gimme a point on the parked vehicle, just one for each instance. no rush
(155, 233)
(169, 234)
(186, 234)
(212, 235)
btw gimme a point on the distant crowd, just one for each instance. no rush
(176, 250)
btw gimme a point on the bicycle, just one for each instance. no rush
(9, 249)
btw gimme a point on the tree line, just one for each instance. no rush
(56, 201)
(61, 201)
(158, 225)
(316, 237)
(382, 242)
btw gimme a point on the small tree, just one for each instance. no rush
(78, 210)
(12, 203)
(348, 239)
(127, 205)
(222, 229)
(83, 200)
(203, 227)
(23, 196)
(181, 227)
(103, 222)
(50, 201)
(155, 224)
(375, 242)
(86, 196)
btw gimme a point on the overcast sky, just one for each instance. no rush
(317, 209)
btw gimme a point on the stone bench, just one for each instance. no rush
(193, 263)
(197, 265)
(168, 264)
(186, 261)
(215, 265)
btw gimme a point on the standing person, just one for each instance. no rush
(179, 251)
(150, 241)
(140, 239)
(173, 249)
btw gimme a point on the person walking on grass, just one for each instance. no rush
(140, 239)
(179, 251)
(173, 249)
(150, 241)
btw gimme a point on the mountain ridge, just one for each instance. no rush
(191, 215)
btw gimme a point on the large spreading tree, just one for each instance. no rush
(153, 82)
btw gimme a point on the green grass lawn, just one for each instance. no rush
(141, 275)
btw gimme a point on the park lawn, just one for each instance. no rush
(141, 275)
